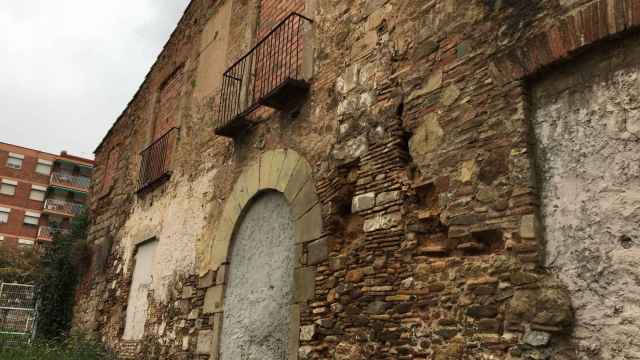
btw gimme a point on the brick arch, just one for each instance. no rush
(594, 22)
(286, 172)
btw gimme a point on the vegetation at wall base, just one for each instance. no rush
(61, 267)
(74, 348)
(18, 266)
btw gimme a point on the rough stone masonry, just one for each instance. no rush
(460, 182)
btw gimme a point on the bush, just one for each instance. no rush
(61, 267)
(18, 266)
(71, 349)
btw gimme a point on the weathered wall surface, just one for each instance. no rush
(177, 219)
(260, 283)
(141, 282)
(418, 134)
(586, 119)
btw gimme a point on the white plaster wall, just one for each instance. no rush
(177, 220)
(140, 285)
(260, 283)
(586, 125)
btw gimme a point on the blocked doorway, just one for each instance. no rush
(586, 120)
(260, 289)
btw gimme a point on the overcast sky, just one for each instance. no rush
(68, 68)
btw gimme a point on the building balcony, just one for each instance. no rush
(271, 74)
(64, 208)
(68, 181)
(156, 164)
(46, 233)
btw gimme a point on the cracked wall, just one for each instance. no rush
(586, 120)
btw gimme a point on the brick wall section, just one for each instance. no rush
(274, 11)
(417, 130)
(20, 202)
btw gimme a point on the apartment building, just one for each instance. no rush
(39, 194)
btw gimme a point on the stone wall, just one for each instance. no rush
(418, 131)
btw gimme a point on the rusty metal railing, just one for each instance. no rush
(156, 160)
(273, 61)
(67, 180)
(63, 207)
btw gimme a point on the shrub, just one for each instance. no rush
(61, 267)
(18, 266)
(72, 349)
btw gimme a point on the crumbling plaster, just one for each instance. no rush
(175, 220)
(586, 124)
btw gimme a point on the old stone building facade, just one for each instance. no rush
(375, 179)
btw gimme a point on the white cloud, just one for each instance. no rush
(69, 67)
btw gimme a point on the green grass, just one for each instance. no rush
(71, 349)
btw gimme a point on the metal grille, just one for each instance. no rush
(276, 59)
(70, 181)
(17, 313)
(156, 160)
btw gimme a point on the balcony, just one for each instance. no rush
(64, 208)
(46, 233)
(156, 164)
(65, 180)
(271, 74)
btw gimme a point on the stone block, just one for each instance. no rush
(294, 330)
(536, 338)
(528, 227)
(307, 332)
(221, 275)
(214, 300)
(270, 167)
(206, 342)
(317, 251)
(305, 199)
(382, 222)
(354, 276)
(207, 281)
(304, 284)
(387, 197)
(309, 226)
(427, 137)
(467, 170)
(363, 202)
(188, 292)
(375, 19)
(365, 45)
(300, 176)
(288, 166)
(433, 83)
(450, 95)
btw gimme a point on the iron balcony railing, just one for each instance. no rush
(46, 233)
(70, 181)
(156, 160)
(63, 207)
(274, 62)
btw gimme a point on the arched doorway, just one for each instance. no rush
(260, 282)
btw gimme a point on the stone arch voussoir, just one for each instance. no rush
(284, 171)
